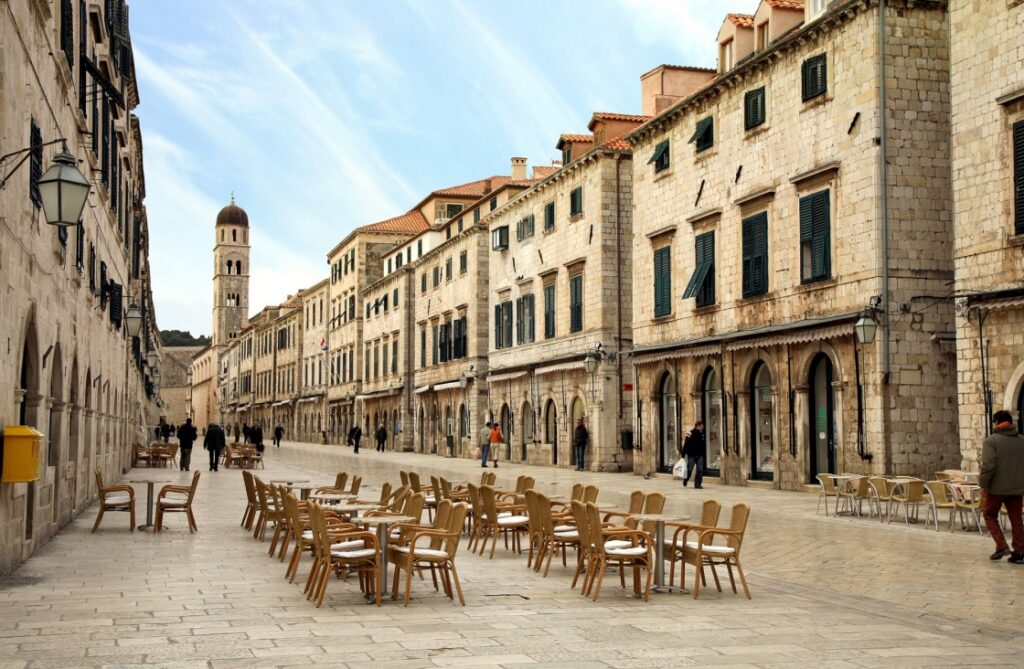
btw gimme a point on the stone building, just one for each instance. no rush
(73, 373)
(176, 381)
(287, 343)
(558, 288)
(987, 83)
(203, 401)
(777, 203)
(310, 406)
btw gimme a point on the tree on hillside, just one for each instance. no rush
(182, 338)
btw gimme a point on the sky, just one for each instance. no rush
(325, 115)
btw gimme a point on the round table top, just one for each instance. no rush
(330, 497)
(345, 508)
(290, 481)
(386, 520)
(659, 516)
(150, 481)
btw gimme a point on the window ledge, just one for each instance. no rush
(548, 231)
(575, 217)
(816, 101)
(1017, 239)
(706, 310)
(755, 299)
(705, 155)
(667, 230)
(819, 284)
(658, 320)
(756, 130)
(664, 174)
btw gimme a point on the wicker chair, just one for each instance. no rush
(343, 552)
(700, 552)
(710, 510)
(881, 495)
(628, 548)
(502, 519)
(438, 553)
(907, 493)
(115, 498)
(177, 499)
(828, 490)
(939, 497)
(251, 503)
(552, 537)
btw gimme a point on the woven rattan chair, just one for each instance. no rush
(828, 490)
(700, 552)
(968, 502)
(553, 538)
(626, 548)
(177, 499)
(710, 510)
(268, 511)
(432, 548)
(114, 498)
(939, 496)
(251, 504)
(343, 552)
(502, 519)
(906, 494)
(881, 494)
(300, 533)
(636, 505)
(852, 494)
(357, 482)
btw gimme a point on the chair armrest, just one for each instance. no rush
(636, 536)
(712, 531)
(685, 528)
(510, 507)
(616, 514)
(117, 488)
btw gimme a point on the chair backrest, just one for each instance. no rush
(577, 492)
(489, 478)
(913, 489)
(528, 483)
(490, 504)
(545, 521)
(860, 487)
(404, 476)
(828, 484)
(456, 519)
(590, 493)
(357, 482)
(881, 486)
(261, 493)
(579, 512)
(944, 475)
(340, 480)
(385, 491)
(939, 490)
(653, 503)
(476, 504)
(710, 510)
(446, 486)
(318, 526)
(291, 510)
(593, 516)
(414, 481)
(435, 487)
(738, 523)
(413, 506)
(250, 490)
(519, 485)
(533, 525)
(192, 488)
(99, 480)
(398, 500)
(636, 501)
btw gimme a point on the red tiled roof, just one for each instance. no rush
(619, 143)
(477, 188)
(582, 139)
(544, 171)
(410, 223)
(786, 4)
(741, 20)
(612, 116)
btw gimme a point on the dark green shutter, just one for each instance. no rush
(814, 75)
(663, 281)
(576, 303)
(497, 326)
(755, 255)
(519, 320)
(704, 255)
(528, 312)
(115, 303)
(820, 263)
(35, 163)
(1018, 178)
(549, 311)
(506, 319)
(549, 215)
(753, 108)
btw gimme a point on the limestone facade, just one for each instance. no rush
(72, 371)
(987, 83)
(203, 400)
(783, 197)
(310, 406)
(175, 382)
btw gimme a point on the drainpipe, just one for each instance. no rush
(618, 281)
(884, 203)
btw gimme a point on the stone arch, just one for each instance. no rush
(807, 358)
(1013, 395)
(55, 433)
(527, 427)
(29, 378)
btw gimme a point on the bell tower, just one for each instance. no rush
(230, 273)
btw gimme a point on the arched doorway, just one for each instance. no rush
(87, 443)
(711, 396)
(56, 431)
(396, 429)
(762, 439)
(434, 428)
(421, 427)
(527, 429)
(668, 416)
(822, 417)
(74, 432)
(1020, 409)
(506, 430)
(551, 429)
(28, 413)
(576, 412)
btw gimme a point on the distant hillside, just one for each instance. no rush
(179, 338)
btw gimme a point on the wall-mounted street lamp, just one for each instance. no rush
(590, 362)
(866, 326)
(133, 320)
(864, 329)
(62, 188)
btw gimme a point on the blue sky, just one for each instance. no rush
(323, 115)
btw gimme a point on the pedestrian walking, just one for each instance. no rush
(237, 433)
(186, 437)
(1002, 484)
(246, 432)
(485, 443)
(214, 442)
(695, 450)
(165, 431)
(256, 437)
(357, 436)
(382, 437)
(158, 432)
(278, 433)
(497, 438)
(580, 440)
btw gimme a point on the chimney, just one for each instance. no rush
(518, 169)
(667, 84)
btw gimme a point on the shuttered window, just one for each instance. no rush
(702, 282)
(67, 31)
(1018, 178)
(576, 303)
(704, 134)
(663, 281)
(423, 348)
(814, 77)
(434, 344)
(457, 337)
(661, 158)
(519, 320)
(35, 163)
(549, 311)
(755, 255)
(394, 297)
(463, 262)
(423, 282)
(549, 216)
(394, 357)
(448, 269)
(576, 201)
(753, 108)
(476, 215)
(506, 319)
(499, 238)
(442, 344)
(105, 142)
(80, 247)
(529, 309)
(815, 261)
(115, 303)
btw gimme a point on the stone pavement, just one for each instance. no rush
(827, 592)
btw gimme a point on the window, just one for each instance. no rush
(815, 77)
(817, 7)
(460, 224)
(394, 297)
(524, 228)
(576, 201)
(433, 340)
(398, 261)
(755, 255)
(494, 203)
(448, 269)
(463, 262)
(503, 325)
(437, 276)
(576, 303)
(702, 282)
(549, 311)
(35, 163)
(80, 248)
(389, 266)
(753, 108)
(394, 356)
(384, 359)
(549, 216)
(452, 210)
(499, 238)
(444, 341)
(660, 159)
(567, 154)
(476, 215)
(528, 327)
(663, 281)
(727, 56)
(460, 339)
(384, 301)
(423, 282)
(352, 307)
(815, 263)
(763, 36)
(423, 348)
(1018, 180)
(67, 31)
(704, 135)
(448, 232)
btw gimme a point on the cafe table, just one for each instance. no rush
(382, 524)
(331, 497)
(304, 488)
(149, 501)
(659, 520)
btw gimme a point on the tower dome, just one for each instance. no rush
(233, 215)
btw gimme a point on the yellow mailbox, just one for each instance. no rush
(23, 447)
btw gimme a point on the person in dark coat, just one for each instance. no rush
(357, 435)
(1002, 484)
(695, 450)
(238, 432)
(186, 437)
(246, 433)
(580, 440)
(256, 437)
(214, 442)
(165, 432)
(382, 437)
(278, 433)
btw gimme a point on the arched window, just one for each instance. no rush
(762, 451)
(229, 267)
(463, 421)
(238, 267)
(222, 235)
(234, 235)
(711, 395)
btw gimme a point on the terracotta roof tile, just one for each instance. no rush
(741, 20)
(785, 4)
(409, 223)
(611, 116)
(619, 143)
(477, 188)
(583, 139)
(544, 171)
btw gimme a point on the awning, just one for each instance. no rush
(378, 393)
(498, 378)
(563, 367)
(307, 399)
(282, 403)
(1003, 303)
(448, 386)
(423, 389)
(801, 337)
(243, 407)
(695, 352)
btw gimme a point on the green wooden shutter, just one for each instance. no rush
(519, 320)
(820, 261)
(755, 254)
(549, 311)
(497, 326)
(506, 318)
(115, 303)
(747, 226)
(663, 281)
(707, 285)
(1018, 178)
(704, 254)
(576, 303)
(531, 310)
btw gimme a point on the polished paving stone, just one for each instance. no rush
(827, 592)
